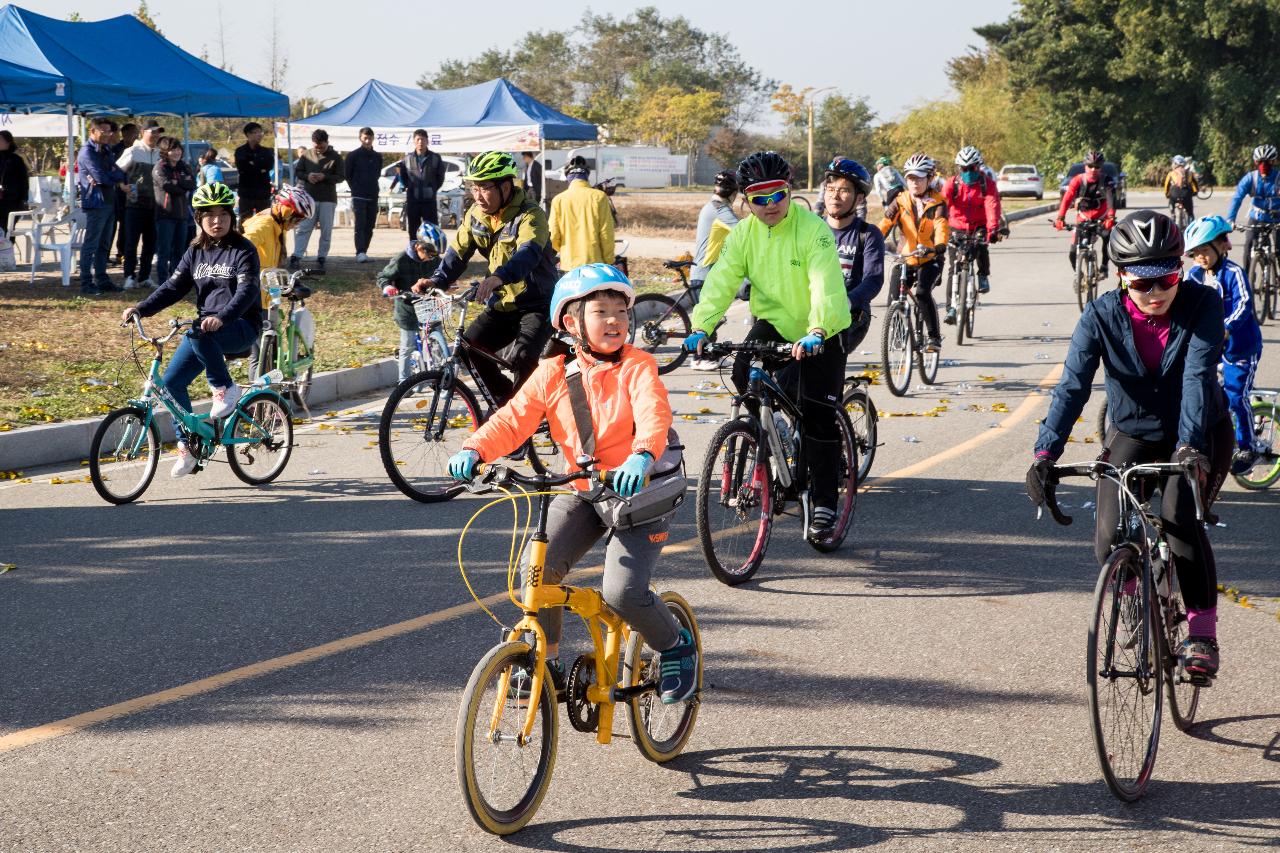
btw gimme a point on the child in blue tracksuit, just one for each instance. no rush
(1207, 243)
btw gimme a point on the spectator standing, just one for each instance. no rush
(97, 177)
(138, 163)
(421, 173)
(174, 183)
(128, 136)
(13, 179)
(210, 171)
(532, 176)
(254, 163)
(318, 171)
(581, 220)
(363, 168)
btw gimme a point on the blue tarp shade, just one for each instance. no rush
(119, 65)
(496, 103)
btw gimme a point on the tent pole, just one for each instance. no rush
(288, 136)
(186, 132)
(71, 156)
(542, 174)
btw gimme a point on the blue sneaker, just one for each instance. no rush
(678, 667)
(984, 284)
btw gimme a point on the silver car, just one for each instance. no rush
(1020, 179)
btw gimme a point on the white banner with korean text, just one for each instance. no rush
(442, 140)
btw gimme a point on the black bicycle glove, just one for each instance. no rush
(1041, 481)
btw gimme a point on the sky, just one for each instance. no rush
(334, 47)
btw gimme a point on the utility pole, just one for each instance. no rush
(809, 99)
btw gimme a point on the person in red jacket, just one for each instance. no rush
(1096, 192)
(973, 206)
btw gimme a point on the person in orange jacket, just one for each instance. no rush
(631, 415)
(920, 214)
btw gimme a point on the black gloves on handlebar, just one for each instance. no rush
(1042, 481)
(1193, 460)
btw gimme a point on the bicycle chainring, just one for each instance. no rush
(583, 715)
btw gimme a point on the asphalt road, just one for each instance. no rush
(921, 689)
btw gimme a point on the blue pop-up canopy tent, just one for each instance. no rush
(492, 116)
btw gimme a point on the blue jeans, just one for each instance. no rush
(171, 242)
(408, 345)
(202, 352)
(98, 231)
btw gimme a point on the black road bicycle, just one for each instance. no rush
(902, 339)
(962, 280)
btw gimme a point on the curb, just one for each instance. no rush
(1029, 212)
(52, 444)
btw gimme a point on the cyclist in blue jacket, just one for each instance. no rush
(1263, 184)
(1208, 244)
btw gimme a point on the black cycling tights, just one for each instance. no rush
(927, 278)
(821, 378)
(525, 333)
(1192, 553)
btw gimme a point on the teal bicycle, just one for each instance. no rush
(124, 454)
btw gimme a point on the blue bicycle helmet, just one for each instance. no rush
(585, 280)
(1206, 229)
(431, 234)
(850, 170)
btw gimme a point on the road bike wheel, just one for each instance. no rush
(1125, 709)
(846, 488)
(422, 425)
(797, 197)
(971, 312)
(659, 327)
(865, 421)
(926, 361)
(660, 731)
(1262, 296)
(1183, 696)
(503, 781)
(302, 381)
(1267, 442)
(1079, 282)
(1273, 291)
(267, 421)
(123, 455)
(897, 350)
(734, 504)
(962, 297)
(1204, 192)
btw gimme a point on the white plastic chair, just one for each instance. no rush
(45, 238)
(21, 225)
(343, 214)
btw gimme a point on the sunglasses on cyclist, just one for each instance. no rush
(1159, 283)
(768, 198)
(972, 168)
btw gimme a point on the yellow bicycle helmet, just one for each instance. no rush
(491, 166)
(213, 195)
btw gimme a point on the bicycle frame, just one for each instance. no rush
(278, 324)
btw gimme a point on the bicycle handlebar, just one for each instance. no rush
(1099, 469)
(489, 476)
(764, 349)
(175, 326)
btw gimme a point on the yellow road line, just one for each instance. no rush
(79, 722)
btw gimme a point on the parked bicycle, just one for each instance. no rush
(433, 309)
(659, 323)
(1263, 271)
(287, 343)
(1266, 470)
(125, 450)
(902, 338)
(962, 279)
(430, 414)
(507, 734)
(757, 463)
(1137, 630)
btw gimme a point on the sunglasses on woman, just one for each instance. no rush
(767, 199)
(1160, 283)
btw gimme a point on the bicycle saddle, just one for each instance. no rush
(677, 265)
(298, 291)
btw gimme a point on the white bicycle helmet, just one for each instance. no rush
(968, 156)
(1179, 160)
(1264, 152)
(303, 205)
(921, 165)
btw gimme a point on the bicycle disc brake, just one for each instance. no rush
(583, 715)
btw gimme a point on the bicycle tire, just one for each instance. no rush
(1126, 760)
(479, 706)
(262, 413)
(927, 362)
(1261, 310)
(846, 489)
(107, 469)
(1273, 291)
(1266, 423)
(972, 314)
(1078, 281)
(435, 352)
(808, 204)
(865, 420)
(656, 319)
(1205, 192)
(302, 382)
(737, 465)
(897, 350)
(267, 346)
(963, 297)
(415, 459)
(1182, 695)
(647, 712)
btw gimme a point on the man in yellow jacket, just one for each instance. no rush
(581, 220)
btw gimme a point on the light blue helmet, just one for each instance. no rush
(584, 280)
(1206, 229)
(431, 234)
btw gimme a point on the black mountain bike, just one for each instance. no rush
(1264, 274)
(1088, 272)
(659, 324)
(430, 414)
(757, 464)
(1137, 630)
(962, 280)
(902, 341)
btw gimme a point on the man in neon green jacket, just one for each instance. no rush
(797, 296)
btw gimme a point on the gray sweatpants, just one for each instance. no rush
(572, 529)
(302, 237)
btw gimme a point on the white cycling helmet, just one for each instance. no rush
(921, 165)
(1179, 160)
(1266, 152)
(968, 156)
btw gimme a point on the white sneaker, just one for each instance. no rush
(151, 283)
(706, 364)
(224, 401)
(130, 283)
(362, 258)
(186, 462)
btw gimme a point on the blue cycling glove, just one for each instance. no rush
(811, 343)
(691, 343)
(462, 465)
(628, 478)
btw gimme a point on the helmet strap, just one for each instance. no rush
(579, 310)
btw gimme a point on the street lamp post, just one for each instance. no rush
(809, 97)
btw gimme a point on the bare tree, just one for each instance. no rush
(279, 59)
(222, 42)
